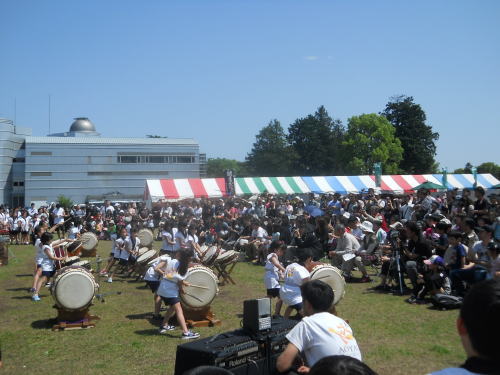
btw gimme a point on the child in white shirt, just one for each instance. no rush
(274, 271)
(295, 275)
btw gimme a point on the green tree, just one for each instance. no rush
(487, 167)
(371, 138)
(417, 138)
(467, 169)
(216, 167)
(316, 141)
(65, 202)
(271, 154)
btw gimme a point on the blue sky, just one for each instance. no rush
(218, 71)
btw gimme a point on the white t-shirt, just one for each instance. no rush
(73, 231)
(321, 335)
(165, 245)
(381, 236)
(47, 263)
(59, 215)
(38, 251)
(180, 240)
(131, 246)
(259, 233)
(294, 276)
(271, 276)
(168, 285)
(151, 274)
(122, 248)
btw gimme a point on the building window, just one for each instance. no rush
(36, 174)
(18, 183)
(41, 153)
(19, 160)
(156, 159)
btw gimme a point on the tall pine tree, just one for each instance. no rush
(417, 138)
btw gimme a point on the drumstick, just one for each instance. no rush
(190, 295)
(54, 227)
(198, 286)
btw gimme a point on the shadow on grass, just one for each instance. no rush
(21, 297)
(149, 332)
(25, 275)
(43, 324)
(17, 289)
(139, 316)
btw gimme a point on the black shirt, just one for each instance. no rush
(421, 247)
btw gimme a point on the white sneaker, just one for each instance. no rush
(110, 280)
(190, 335)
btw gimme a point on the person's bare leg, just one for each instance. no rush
(180, 317)
(36, 277)
(157, 304)
(288, 311)
(277, 309)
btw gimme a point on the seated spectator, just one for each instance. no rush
(344, 255)
(494, 253)
(319, 334)
(418, 250)
(454, 256)
(340, 365)
(478, 328)
(480, 265)
(434, 280)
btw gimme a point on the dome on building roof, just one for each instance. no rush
(82, 124)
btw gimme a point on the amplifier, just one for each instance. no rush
(227, 350)
(257, 314)
(237, 351)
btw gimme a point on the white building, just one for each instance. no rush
(82, 165)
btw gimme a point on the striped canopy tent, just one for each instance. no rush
(185, 188)
(394, 183)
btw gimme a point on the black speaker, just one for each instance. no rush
(257, 314)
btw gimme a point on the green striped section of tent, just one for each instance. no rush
(273, 185)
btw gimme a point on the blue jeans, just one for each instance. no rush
(469, 275)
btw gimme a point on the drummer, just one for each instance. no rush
(47, 263)
(192, 240)
(37, 233)
(274, 269)
(152, 279)
(167, 235)
(132, 244)
(173, 273)
(295, 275)
(121, 251)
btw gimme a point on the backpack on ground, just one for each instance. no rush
(446, 302)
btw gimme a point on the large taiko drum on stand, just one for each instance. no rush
(146, 237)
(203, 289)
(332, 276)
(74, 248)
(73, 288)
(209, 256)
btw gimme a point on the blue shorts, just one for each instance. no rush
(274, 292)
(169, 301)
(38, 266)
(48, 273)
(297, 306)
(153, 285)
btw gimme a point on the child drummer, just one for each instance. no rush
(274, 271)
(173, 272)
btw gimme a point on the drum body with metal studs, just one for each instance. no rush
(74, 247)
(332, 276)
(203, 287)
(146, 237)
(227, 257)
(73, 288)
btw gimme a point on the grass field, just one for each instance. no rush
(394, 337)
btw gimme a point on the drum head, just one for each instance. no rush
(196, 297)
(332, 277)
(146, 237)
(89, 240)
(227, 257)
(142, 250)
(74, 288)
(146, 256)
(83, 263)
